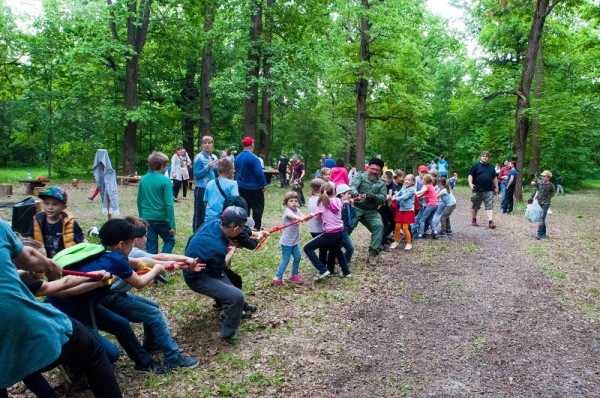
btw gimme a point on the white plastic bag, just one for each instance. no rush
(534, 211)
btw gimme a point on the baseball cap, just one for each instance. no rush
(234, 216)
(422, 169)
(118, 230)
(54, 192)
(342, 188)
(247, 141)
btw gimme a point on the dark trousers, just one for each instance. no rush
(387, 217)
(323, 253)
(332, 242)
(199, 208)
(179, 184)
(298, 189)
(256, 204)
(509, 197)
(81, 351)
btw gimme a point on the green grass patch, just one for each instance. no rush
(590, 184)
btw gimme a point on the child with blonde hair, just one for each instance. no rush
(290, 240)
(315, 225)
(405, 212)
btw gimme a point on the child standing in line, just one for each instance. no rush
(325, 175)
(315, 225)
(333, 232)
(290, 240)
(219, 189)
(344, 192)
(155, 204)
(443, 217)
(432, 203)
(55, 227)
(405, 213)
(544, 194)
(453, 180)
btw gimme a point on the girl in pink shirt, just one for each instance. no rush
(430, 208)
(339, 174)
(330, 209)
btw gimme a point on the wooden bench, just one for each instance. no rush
(128, 179)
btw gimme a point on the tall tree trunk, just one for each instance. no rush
(362, 88)
(253, 71)
(538, 89)
(266, 114)
(137, 30)
(542, 10)
(206, 76)
(131, 103)
(187, 104)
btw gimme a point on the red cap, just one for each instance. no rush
(247, 141)
(423, 169)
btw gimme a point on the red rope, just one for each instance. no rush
(280, 227)
(82, 274)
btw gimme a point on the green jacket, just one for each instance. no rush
(362, 185)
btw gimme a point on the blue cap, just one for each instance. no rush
(54, 192)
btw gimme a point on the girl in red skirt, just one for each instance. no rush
(404, 211)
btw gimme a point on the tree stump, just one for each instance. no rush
(6, 189)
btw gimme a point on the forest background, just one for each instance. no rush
(348, 77)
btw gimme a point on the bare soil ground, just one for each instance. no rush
(482, 313)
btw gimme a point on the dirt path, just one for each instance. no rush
(475, 318)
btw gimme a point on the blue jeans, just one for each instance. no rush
(506, 206)
(221, 290)
(542, 223)
(332, 241)
(427, 219)
(348, 246)
(138, 309)
(438, 215)
(286, 253)
(199, 208)
(502, 192)
(156, 229)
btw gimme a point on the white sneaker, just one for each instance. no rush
(408, 247)
(321, 276)
(394, 245)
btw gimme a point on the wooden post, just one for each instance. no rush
(6, 189)
(109, 215)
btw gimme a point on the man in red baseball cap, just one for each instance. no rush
(251, 181)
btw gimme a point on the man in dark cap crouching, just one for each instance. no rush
(373, 187)
(209, 244)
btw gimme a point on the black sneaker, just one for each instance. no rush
(250, 307)
(231, 340)
(151, 367)
(246, 315)
(182, 362)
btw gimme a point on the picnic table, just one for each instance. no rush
(269, 174)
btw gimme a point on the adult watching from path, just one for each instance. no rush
(251, 181)
(483, 183)
(204, 171)
(506, 205)
(297, 175)
(329, 162)
(282, 169)
(442, 166)
(373, 187)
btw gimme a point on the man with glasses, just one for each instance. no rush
(483, 183)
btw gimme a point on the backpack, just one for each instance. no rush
(75, 256)
(233, 200)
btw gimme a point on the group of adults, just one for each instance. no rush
(248, 173)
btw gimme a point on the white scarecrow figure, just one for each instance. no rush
(106, 179)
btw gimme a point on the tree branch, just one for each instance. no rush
(112, 24)
(551, 7)
(519, 94)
